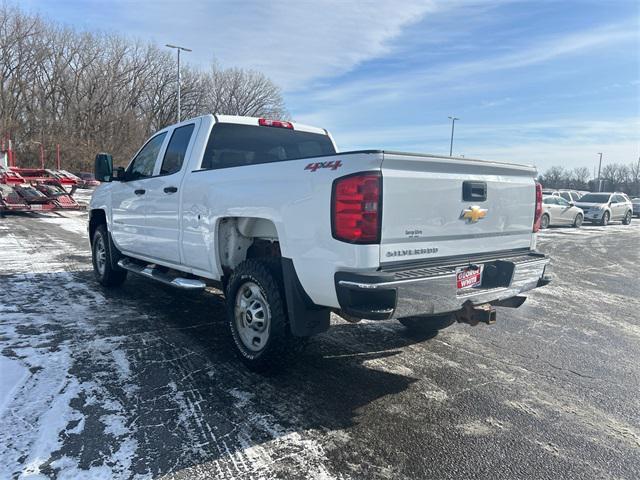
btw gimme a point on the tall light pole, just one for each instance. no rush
(179, 77)
(599, 168)
(453, 125)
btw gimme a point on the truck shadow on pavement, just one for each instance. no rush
(161, 379)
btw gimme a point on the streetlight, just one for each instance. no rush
(186, 50)
(599, 167)
(453, 124)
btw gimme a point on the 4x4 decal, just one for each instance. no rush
(333, 165)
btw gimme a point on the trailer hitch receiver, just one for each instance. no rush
(474, 314)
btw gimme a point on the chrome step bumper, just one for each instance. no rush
(431, 290)
(162, 277)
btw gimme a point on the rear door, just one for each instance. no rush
(164, 193)
(441, 207)
(621, 205)
(553, 209)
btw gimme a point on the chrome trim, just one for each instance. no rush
(177, 282)
(435, 294)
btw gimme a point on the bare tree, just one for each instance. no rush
(554, 177)
(580, 178)
(93, 92)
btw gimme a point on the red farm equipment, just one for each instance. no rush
(34, 189)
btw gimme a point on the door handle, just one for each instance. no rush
(140, 191)
(170, 189)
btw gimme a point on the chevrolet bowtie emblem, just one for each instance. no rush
(473, 214)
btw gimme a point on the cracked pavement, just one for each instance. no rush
(142, 382)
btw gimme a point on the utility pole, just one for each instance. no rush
(453, 125)
(599, 168)
(179, 77)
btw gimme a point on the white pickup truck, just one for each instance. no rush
(291, 230)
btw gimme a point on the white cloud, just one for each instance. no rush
(293, 42)
(443, 75)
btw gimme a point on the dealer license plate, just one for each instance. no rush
(469, 277)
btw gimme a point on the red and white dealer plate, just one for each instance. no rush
(468, 277)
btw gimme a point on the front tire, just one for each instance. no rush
(101, 255)
(577, 222)
(257, 316)
(544, 221)
(627, 219)
(604, 221)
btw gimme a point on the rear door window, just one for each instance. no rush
(233, 145)
(176, 150)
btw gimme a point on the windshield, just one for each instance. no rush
(52, 190)
(233, 145)
(31, 192)
(595, 198)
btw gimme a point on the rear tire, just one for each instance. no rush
(427, 325)
(101, 255)
(544, 221)
(627, 219)
(577, 222)
(604, 221)
(257, 316)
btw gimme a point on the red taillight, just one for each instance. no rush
(356, 208)
(538, 211)
(265, 122)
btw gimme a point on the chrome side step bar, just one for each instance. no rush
(162, 277)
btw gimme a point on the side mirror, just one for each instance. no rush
(571, 204)
(103, 167)
(120, 174)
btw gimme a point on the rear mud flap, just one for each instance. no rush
(305, 318)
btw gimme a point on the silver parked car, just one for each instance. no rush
(636, 206)
(605, 207)
(557, 211)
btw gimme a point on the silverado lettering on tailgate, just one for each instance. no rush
(411, 251)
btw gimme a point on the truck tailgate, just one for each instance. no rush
(434, 207)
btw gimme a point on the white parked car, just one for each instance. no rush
(568, 195)
(606, 207)
(557, 211)
(291, 230)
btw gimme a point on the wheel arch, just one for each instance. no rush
(243, 238)
(97, 216)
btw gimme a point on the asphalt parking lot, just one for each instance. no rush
(142, 382)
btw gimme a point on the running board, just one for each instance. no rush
(162, 277)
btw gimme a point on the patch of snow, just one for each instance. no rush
(12, 375)
(71, 223)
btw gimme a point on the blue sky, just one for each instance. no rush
(542, 82)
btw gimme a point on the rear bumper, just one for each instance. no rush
(431, 289)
